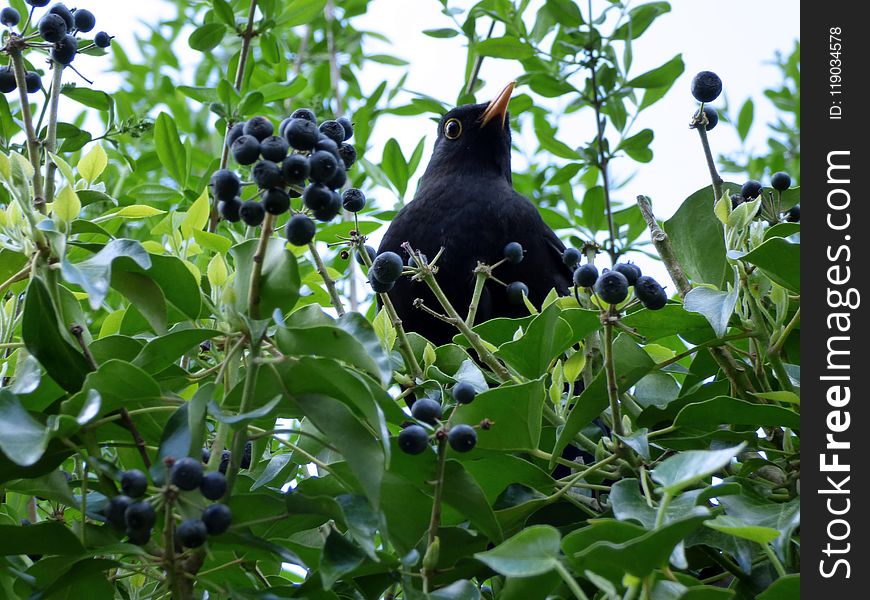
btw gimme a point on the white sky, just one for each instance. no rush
(736, 39)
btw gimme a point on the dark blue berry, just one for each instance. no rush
(780, 181)
(64, 13)
(186, 473)
(333, 130)
(252, 213)
(630, 270)
(348, 127)
(306, 114)
(274, 148)
(134, 483)
(229, 210)
(516, 291)
(245, 149)
(793, 215)
(7, 80)
(317, 196)
(301, 134)
(300, 230)
(612, 287)
(370, 251)
(413, 439)
(267, 174)
(750, 190)
(139, 516)
(323, 166)
(52, 28)
(586, 275)
(84, 20)
(213, 485)
(650, 293)
(571, 256)
(33, 82)
(706, 86)
(513, 253)
(463, 392)
(295, 169)
(331, 210)
(712, 117)
(378, 286)
(276, 201)
(386, 267)
(348, 155)
(114, 511)
(462, 438)
(191, 533)
(235, 132)
(353, 200)
(102, 40)
(426, 410)
(9, 17)
(217, 518)
(65, 50)
(259, 127)
(225, 184)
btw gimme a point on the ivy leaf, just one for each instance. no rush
(67, 205)
(687, 468)
(533, 551)
(92, 164)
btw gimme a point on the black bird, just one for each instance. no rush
(466, 204)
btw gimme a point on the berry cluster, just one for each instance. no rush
(135, 515)
(415, 439)
(612, 285)
(752, 189)
(301, 158)
(245, 463)
(58, 28)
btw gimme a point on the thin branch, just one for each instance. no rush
(32, 139)
(328, 281)
(700, 124)
(257, 270)
(478, 61)
(247, 35)
(51, 133)
(602, 165)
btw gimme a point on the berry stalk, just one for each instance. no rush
(51, 132)
(328, 281)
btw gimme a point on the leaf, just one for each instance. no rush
(279, 282)
(138, 211)
(547, 337)
(458, 590)
(533, 551)
(687, 468)
(339, 557)
(207, 37)
(169, 148)
(780, 260)
(737, 528)
(43, 339)
(744, 118)
(49, 537)
(637, 146)
(441, 33)
(94, 275)
(515, 411)
(784, 588)
(506, 46)
(698, 238)
(67, 205)
(395, 166)
(22, 439)
(716, 306)
(639, 20)
(462, 492)
(724, 410)
(663, 76)
(89, 97)
(164, 350)
(301, 12)
(92, 164)
(196, 216)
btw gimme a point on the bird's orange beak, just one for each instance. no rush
(499, 106)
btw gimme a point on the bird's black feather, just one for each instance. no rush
(467, 205)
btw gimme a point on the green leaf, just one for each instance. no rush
(395, 166)
(744, 118)
(458, 590)
(441, 33)
(639, 20)
(688, 468)
(95, 274)
(300, 12)
(22, 439)
(462, 492)
(67, 205)
(784, 588)
(207, 37)
(44, 340)
(547, 337)
(724, 410)
(169, 148)
(340, 556)
(92, 164)
(279, 281)
(506, 46)
(89, 97)
(637, 146)
(716, 306)
(737, 528)
(164, 350)
(49, 538)
(660, 77)
(533, 551)
(780, 260)
(698, 238)
(516, 411)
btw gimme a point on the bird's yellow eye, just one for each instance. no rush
(452, 129)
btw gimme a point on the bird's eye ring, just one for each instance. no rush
(452, 129)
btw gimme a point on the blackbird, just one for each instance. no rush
(466, 204)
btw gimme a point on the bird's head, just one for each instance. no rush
(475, 138)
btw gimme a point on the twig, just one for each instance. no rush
(612, 386)
(435, 518)
(602, 164)
(32, 139)
(78, 333)
(51, 132)
(711, 164)
(247, 35)
(257, 270)
(479, 281)
(328, 281)
(478, 61)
